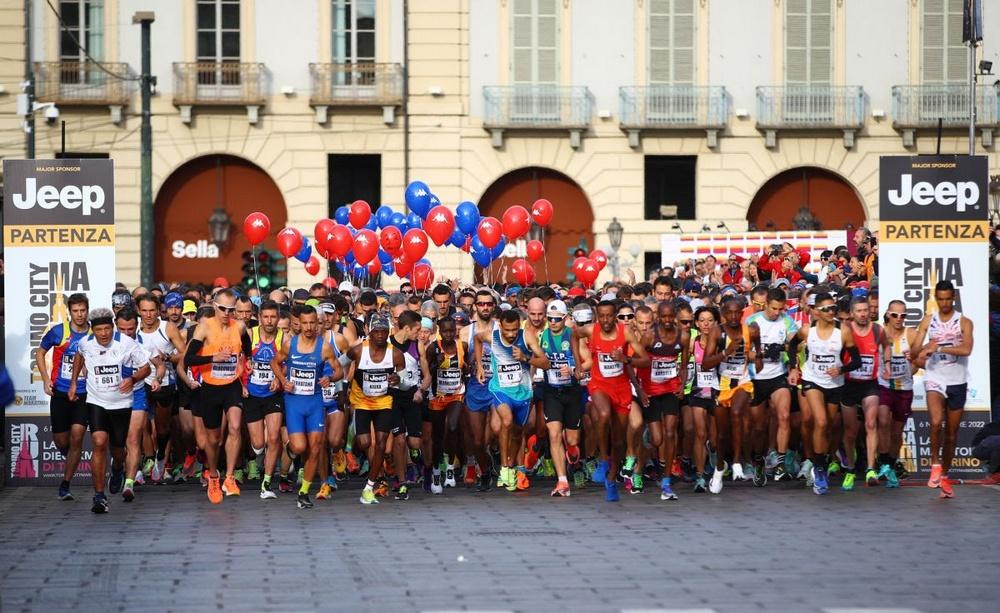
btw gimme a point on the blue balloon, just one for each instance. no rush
(399, 220)
(414, 221)
(467, 217)
(359, 269)
(498, 250)
(424, 261)
(480, 252)
(388, 268)
(418, 198)
(341, 267)
(384, 215)
(384, 257)
(349, 258)
(372, 223)
(342, 215)
(457, 238)
(305, 251)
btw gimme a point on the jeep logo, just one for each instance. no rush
(88, 198)
(961, 194)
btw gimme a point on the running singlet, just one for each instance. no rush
(663, 376)
(370, 386)
(705, 380)
(942, 368)
(900, 373)
(221, 339)
(734, 370)
(868, 347)
(510, 376)
(557, 349)
(448, 376)
(62, 339)
(156, 343)
(487, 360)
(821, 356)
(108, 366)
(606, 368)
(411, 356)
(304, 369)
(773, 336)
(259, 375)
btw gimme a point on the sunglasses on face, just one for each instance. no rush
(225, 309)
(830, 308)
(484, 304)
(685, 322)
(554, 320)
(408, 292)
(626, 316)
(897, 315)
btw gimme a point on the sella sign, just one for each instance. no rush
(201, 249)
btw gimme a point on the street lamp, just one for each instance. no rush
(615, 231)
(995, 196)
(218, 226)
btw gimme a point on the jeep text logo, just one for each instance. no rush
(87, 198)
(961, 194)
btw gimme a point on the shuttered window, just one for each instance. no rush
(535, 60)
(83, 23)
(671, 42)
(808, 42)
(944, 58)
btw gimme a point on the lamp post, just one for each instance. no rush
(615, 231)
(995, 197)
(218, 227)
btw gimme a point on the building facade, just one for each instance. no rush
(669, 115)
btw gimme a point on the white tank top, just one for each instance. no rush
(487, 352)
(900, 373)
(943, 368)
(156, 343)
(821, 356)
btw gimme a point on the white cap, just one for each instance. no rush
(345, 286)
(556, 308)
(609, 296)
(505, 306)
(582, 314)
(697, 303)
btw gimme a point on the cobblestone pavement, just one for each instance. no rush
(780, 549)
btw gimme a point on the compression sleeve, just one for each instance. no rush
(246, 344)
(191, 357)
(793, 350)
(854, 363)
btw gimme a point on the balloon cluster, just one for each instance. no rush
(361, 242)
(586, 268)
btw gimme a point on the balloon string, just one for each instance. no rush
(256, 279)
(545, 260)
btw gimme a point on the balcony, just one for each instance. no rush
(220, 84)
(537, 107)
(356, 85)
(673, 107)
(85, 84)
(810, 107)
(921, 106)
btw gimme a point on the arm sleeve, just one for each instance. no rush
(855, 362)
(245, 343)
(191, 357)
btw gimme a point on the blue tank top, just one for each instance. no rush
(259, 380)
(510, 377)
(304, 369)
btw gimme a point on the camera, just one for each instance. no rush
(51, 114)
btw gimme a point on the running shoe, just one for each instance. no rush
(738, 472)
(891, 480)
(628, 467)
(214, 491)
(572, 454)
(449, 477)
(579, 478)
(715, 485)
(820, 483)
(676, 471)
(561, 489)
(790, 462)
(230, 487)
(871, 478)
(589, 468)
(203, 478)
(771, 461)
(284, 484)
(946, 489)
(548, 469)
(780, 473)
(100, 503)
(805, 471)
(436, 487)
(833, 468)
(340, 463)
(652, 470)
(403, 493)
(64, 493)
(848, 483)
(238, 476)
(352, 463)
(531, 456)
(759, 476)
(699, 485)
(637, 484)
(381, 487)
(332, 483)
(266, 493)
(189, 465)
(324, 493)
(116, 481)
(666, 493)
(127, 494)
(611, 491)
(484, 483)
(600, 472)
(900, 468)
(148, 465)
(470, 475)
(521, 479)
(689, 472)
(368, 497)
(253, 471)
(935, 480)
(140, 478)
(303, 502)
(883, 472)
(157, 476)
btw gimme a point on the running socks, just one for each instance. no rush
(304, 488)
(129, 483)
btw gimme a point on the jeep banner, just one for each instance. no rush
(59, 239)
(933, 227)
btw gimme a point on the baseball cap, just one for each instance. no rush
(427, 323)
(461, 318)
(345, 286)
(173, 299)
(121, 298)
(575, 292)
(582, 314)
(728, 290)
(300, 294)
(859, 292)
(189, 307)
(505, 306)
(378, 321)
(609, 296)
(220, 282)
(313, 302)
(557, 308)
(692, 286)
(779, 282)
(513, 290)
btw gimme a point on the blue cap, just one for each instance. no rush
(692, 286)
(255, 300)
(728, 289)
(173, 299)
(859, 292)
(513, 290)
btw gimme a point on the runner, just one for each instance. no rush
(334, 404)
(448, 363)
(945, 359)
(701, 399)
(264, 400)
(408, 404)
(115, 364)
(895, 390)
(478, 399)
(68, 418)
(562, 401)
(861, 393)
(735, 386)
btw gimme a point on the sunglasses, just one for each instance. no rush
(225, 309)
(485, 304)
(555, 320)
(408, 292)
(830, 308)
(685, 322)
(626, 316)
(897, 315)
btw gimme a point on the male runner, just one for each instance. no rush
(407, 404)
(861, 392)
(562, 401)
(895, 390)
(478, 399)
(447, 359)
(735, 386)
(263, 398)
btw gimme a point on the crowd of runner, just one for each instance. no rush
(681, 383)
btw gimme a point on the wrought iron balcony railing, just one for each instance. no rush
(920, 106)
(84, 83)
(811, 107)
(220, 83)
(362, 84)
(673, 107)
(537, 106)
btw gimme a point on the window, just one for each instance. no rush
(353, 177)
(354, 41)
(808, 42)
(83, 22)
(944, 58)
(670, 186)
(671, 42)
(218, 42)
(535, 42)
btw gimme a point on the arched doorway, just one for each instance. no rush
(188, 198)
(828, 198)
(573, 219)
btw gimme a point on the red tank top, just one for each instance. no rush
(605, 368)
(868, 348)
(663, 376)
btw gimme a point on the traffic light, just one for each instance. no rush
(260, 276)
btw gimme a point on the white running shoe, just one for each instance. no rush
(772, 460)
(436, 487)
(158, 471)
(738, 474)
(140, 479)
(715, 485)
(805, 471)
(267, 495)
(449, 476)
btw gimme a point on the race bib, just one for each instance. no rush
(303, 380)
(585, 379)
(329, 393)
(733, 369)
(108, 377)
(66, 367)
(487, 365)
(261, 374)
(554, 374)
(375, 383)
(823, 363)
(449, 381)
(509, 375)
(899, 367)
(944, 358)
(224, 370)
(661, 371)
(707, 378)
(538, 376)
(608, 366)
(867, 368)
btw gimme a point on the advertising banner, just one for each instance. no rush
(677, 248)
(59, 239)
(933, 227)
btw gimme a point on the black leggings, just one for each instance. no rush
(114, 422)
(437, 421)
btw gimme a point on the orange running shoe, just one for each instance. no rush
(381, 488)
(675, 469)
(325, 492)
(352, 463)
(229, 487)
(561, 489)
(214, 491)
(946, 490)
(339, 462)
(470, 475)
(935, 480)
(522, 480)
(531, 454)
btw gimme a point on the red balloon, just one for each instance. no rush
(422, 278)
(256, 227)
(330, 283)
(338, 241)
(541, 212)
(523, 272)
(323, 227)
(391, 240)
(312, 266)
(402, 266)
(516, 222)
(374, 267)
(289, 242)
(467, 245)
(439, 224)
(535, 250)
(325, 252)
(588, 274)
(488, 231)
(578, 265)
(359, 213)
(365, 246)
(415, 244)
(600, 258)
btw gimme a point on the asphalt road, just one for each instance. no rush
(777, 549)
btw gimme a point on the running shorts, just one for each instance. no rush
(764, 388)
(440, 403)
(256, 408)
(407, 415)
(115, 422)
(831, 395)
(478, 397)
(703, 403)
(619, 395)
(65, 413)
(725, 398)
(661, 406)
(954, 394)
(364, 418)
(900, 402)
(304, 415)
(520, 409)
(564, 405)
(856, 391)
(214, 400)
